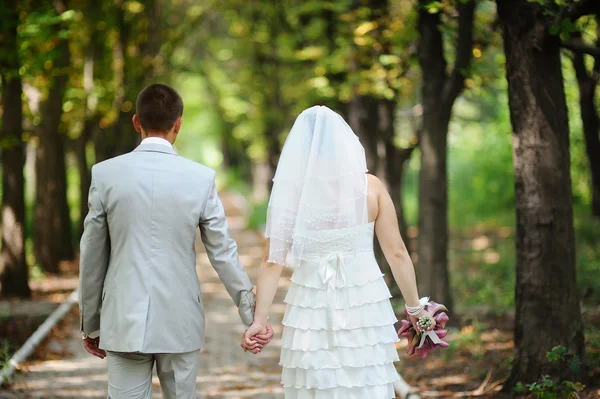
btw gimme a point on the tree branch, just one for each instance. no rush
(578, 46)
(579, 65)
(430, 52)
(581, 8)
(464, 51)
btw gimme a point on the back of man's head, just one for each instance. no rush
(158, 107)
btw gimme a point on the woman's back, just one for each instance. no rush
(339, 337)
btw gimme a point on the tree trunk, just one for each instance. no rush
(52, 224)
(547, 301)
(130, 76)
(85, 176)
(272, 130)
(93, 52)
(591, 124)
(439, 92)
(362, 114)
(275, 111)
(394, 162)
(395, 159)
(13, 266)
(364, 118)
(432, 245)
(372, 119)
(235, 156)
(587, 83)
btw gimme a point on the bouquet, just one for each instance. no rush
(422, 342)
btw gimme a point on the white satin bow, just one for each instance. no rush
(332, 271)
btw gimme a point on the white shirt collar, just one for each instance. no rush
(156, 140)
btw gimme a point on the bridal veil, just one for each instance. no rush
(320, 184)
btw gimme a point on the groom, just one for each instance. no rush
(139, 294)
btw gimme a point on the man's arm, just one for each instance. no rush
(93, 261)
(223, 255)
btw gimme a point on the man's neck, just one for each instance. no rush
(157, 140)
(161, 135)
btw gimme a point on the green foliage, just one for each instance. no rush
(554, 10)
(549, 388)
(5, 353)
(258, 216)
(560, 354)
(484, 195)
(246, 69)
(434, 7)
(557, 353)
(483, 272)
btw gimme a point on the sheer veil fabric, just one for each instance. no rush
(320, 184)
(338, 338)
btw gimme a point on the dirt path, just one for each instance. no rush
(225, 371)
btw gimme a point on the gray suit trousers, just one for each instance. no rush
(130, 374)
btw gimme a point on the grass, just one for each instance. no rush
(482, 270)
(5, 353)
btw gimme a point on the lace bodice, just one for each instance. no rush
(345, 241)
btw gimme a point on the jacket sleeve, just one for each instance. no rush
(93, 261)
(223, 255)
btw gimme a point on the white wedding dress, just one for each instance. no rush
(339, 337)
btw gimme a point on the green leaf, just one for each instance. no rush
(554, 29)
(519, 388)
(578, 386)
(434, 7)
(556, 353)
(575, 364)
(389, 59)
(67, 15)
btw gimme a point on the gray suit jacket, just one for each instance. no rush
(138, 281)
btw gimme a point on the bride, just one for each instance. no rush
(338, 337)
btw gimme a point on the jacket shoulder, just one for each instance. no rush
(108, 165)
(199, 169)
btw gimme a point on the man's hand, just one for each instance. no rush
(91, 345)
(257, 337)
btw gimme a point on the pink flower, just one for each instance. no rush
(438, 311)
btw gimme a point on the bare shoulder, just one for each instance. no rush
(375, 185)
(373, 193)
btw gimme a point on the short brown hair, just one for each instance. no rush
(158, 107)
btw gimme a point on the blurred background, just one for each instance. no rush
(423, 84)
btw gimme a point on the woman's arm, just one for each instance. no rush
(394, 249)
(266, 288)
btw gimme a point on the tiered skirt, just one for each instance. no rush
(339, 338)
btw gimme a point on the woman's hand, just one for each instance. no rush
(415, 321)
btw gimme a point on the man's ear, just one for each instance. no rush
(136, 123)
(177, 125)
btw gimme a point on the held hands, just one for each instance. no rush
(257, 337)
